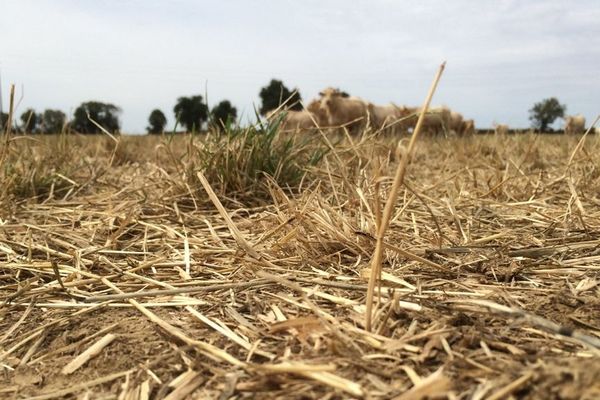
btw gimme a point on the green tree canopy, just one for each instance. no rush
(191, 112)
(105, 114)
(276, 93)
(223, 113)
(52, 121)
(544, 113)
(30, 121)
(3, 120)
(157, 122)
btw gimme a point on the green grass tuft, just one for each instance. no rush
(239, 162)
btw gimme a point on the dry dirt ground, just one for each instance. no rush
(490, 286)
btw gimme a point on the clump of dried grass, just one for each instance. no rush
(38, 168)
(30, 171)
(25, 172)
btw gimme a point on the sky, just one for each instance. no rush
(502, 55)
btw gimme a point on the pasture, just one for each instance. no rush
(126, 274)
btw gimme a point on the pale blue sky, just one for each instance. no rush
(502, 56)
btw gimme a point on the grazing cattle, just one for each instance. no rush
(311, 118)
(298, 120)
(456, 122)
(574, 124)
(314, 107)
(437, 119)
(384, 116)
(407, 117)
(350, 112)
(501, 129)
(467, 127)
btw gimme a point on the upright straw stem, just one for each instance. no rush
(391, 202)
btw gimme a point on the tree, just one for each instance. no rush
(275, 93)
(157, 121)
(191, 112)
(3, 121)
(30, 121)
(223, 113)
(544, 113)
(105, 114)
(53, 121)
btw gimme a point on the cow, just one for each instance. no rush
(501, 129)
(384, 116)
(351, 112)
(310, 118)
(436, 120)
(574, 124)
(456, 122)
(298, 120)
(467, 127)
(314, 107)
(407, 117)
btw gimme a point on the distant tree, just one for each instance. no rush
(30, 121)
(223, 113)
(53, 121)
(275, 93)
(105, 114)
(157, 121)
(191, 112)
(544, 113)
(4, 122)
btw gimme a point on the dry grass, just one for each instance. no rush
(130, 275)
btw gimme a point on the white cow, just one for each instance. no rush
(384, 116)
(350, 112)
(456, 122)
(501, 129)
(574, 124)
(437, 119)
(310, 118)
(467, 127)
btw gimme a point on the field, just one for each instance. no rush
(126, 274)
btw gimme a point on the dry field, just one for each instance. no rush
(121, 278)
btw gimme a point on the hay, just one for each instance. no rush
(489, 286)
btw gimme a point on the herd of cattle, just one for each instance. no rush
(335, 109)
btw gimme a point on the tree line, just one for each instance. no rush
(191, 112)
(194, 115)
